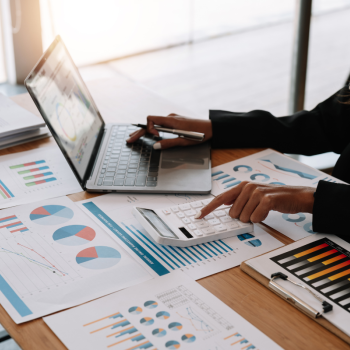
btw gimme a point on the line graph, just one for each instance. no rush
(31, 265)
(196, 321)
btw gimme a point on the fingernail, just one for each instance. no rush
(157, 145)
(198, 215)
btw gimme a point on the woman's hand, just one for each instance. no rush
(253, 201)
(173, 121)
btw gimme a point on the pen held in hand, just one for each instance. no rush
(189, 135)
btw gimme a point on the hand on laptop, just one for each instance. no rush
(253, 201)
(176, 122)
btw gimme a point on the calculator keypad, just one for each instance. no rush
(216, 222)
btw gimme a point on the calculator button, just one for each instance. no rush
(185, 206)
(198, 233)
(220, 228)
(226, 219)
(208, 231)
(190, 212)
(214, 222)
(166, 211)
(209, 216)
(232, 225)
(196, 205)
(186, 221)
(175, 209)
(180, 215)
(206, 201)
(243, 224)
(219, 213)
(227, 211)
(192, 226)
(202, 224)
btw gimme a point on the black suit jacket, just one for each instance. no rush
(326, 128)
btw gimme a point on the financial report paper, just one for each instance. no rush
(52, 256)
(172, 312)
(271, 167)
(113, 213)
(35, 175)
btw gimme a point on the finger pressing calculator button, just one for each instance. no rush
(186, 221)
(180, 215)
(185, 206)
(198, 233)
(175, 209)
(214, 222)
(192, 227)
(166, 211)
(190, 212)
(202, 224)
(196, 204)
(208, 231)
(226, 219)
(227, 211)
(209, 216)
(219, 213)
(220, 228)
(231, 225)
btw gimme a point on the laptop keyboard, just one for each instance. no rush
(129, 164)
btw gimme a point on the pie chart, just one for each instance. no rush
(135, 310)
(51, 215)
(98, 258)
(188, 338)
(163, 315)
(150, 304)
(159, 332)
(175, 326)
(172, 345)
(147, 321)
(74, 235)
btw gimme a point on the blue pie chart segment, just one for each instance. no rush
(147, 321)
(51, 215)
(308, 228)
(172, 345)
(159, 332)
(260, 177)
(188, 338)
(150, 304)
(243, 168)
(301, 217)
(163, 315)
(253, 243)
(98, 257)
(74, 235)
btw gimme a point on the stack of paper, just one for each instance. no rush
(17, 125)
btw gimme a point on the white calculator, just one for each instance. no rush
(177, 226)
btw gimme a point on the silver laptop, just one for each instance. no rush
(98, 154)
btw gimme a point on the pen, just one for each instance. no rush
(189, 135)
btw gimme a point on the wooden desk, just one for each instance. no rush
(277, 319)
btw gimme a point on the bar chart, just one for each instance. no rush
(4, 191)
(12, 225)
(324, 266)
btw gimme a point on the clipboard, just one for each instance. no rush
(290, 298)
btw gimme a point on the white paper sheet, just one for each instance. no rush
(15, 119)
(35, 175)
(319, 262)
(113, 213)
(52, 256)
(271, 167)
(172, 312)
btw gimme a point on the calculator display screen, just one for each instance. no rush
(157, 223)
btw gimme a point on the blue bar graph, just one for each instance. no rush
(217, 173)
(6, 188)
(121, 324)
(221, 177)
(13, 298)
(128, 331)
(229, 180)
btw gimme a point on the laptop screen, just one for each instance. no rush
(66, 105)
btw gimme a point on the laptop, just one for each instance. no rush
(97, 152)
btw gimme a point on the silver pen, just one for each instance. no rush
(189, 135)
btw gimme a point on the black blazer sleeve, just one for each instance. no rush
(323, 129)
(331, 209)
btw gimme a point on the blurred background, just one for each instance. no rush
(202, 54)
